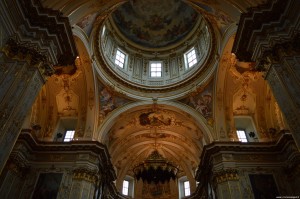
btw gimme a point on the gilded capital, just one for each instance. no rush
(84, 174)
(226, 175)
(21, 52)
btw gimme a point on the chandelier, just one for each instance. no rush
(155, 168)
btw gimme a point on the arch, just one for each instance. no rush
(168, 105)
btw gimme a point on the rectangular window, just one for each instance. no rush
(155, 69)
(186, 186)
(120, 59)
(69, 135)
(191, 58)
(242, 135)
(125, 187)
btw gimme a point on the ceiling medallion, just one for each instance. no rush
(155, 169)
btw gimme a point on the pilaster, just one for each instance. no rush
(227, 183)
(83, 184)
(13, 176)
(23, 71)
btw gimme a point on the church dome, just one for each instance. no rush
(155, 49)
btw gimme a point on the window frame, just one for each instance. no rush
(242, 139)
(125, 188)
(118, 59)
(156, 71)
(186, 189)
(187, 56)
(69, 139)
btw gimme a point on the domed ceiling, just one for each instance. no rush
(155, 23)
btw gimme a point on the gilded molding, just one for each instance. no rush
(226, 175)
(84, 174)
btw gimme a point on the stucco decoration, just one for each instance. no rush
(155, 23)
(244, 102)
(108, 101)
(67, 103)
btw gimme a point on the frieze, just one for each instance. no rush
(256, 158)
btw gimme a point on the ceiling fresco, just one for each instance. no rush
(108, 101)
(155, 23)
(202, 100)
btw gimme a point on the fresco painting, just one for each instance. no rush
(202, 101)
(155, 23)
(108, 101)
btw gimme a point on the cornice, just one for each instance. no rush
(260, 28)
(238, 148)
(43, 29)
(55, 25)
(99, 150)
